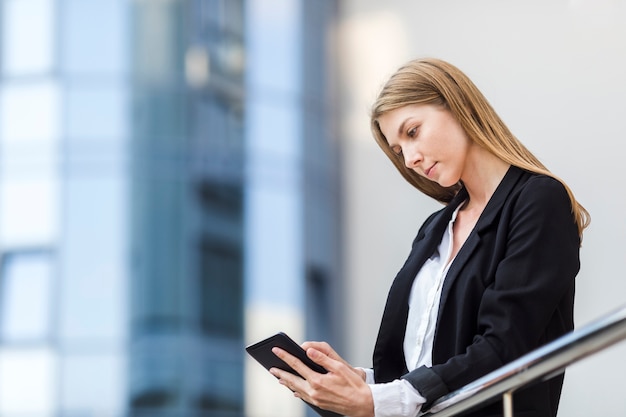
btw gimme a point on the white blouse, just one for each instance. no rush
(399, 398)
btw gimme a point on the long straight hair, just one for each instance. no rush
(433, 81)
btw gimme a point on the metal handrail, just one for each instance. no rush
(539, 365)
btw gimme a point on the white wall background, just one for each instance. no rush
(555, 72)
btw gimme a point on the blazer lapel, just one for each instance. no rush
(487, 217)
(389, 362)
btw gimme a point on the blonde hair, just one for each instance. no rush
(433, 81)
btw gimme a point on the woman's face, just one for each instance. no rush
(431, 141)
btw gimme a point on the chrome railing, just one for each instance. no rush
(538, 365)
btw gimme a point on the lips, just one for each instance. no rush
(429, 170)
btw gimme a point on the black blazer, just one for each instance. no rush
(509, 290)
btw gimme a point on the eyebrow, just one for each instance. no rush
(401, 129)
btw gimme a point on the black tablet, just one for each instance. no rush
(262, 352)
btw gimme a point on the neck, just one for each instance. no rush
(481, 178)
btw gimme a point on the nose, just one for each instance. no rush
(412, 157)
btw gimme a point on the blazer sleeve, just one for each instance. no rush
(535, 266)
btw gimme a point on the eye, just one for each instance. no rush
(412, 132)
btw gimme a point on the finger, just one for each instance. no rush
(295, 363)
(287, 379)
(326, 349)
(279, 373)
(321, 346)
(329, 363)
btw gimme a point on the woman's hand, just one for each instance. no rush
(327, 350)
(342, 389)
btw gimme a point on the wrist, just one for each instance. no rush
(367, 408)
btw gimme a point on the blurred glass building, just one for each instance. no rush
(169, 192)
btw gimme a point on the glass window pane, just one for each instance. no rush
(82, 393)
(221, 288)
(28, 212)
(29, 113)
(97, 114)
(93, 311)
(25, 290)
(27, 380)
(94, 36)
(27, 36)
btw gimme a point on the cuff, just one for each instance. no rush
(428, 383)
(369, 375)
(396, 398)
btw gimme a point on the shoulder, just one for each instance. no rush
(540, 189)
(541, 202)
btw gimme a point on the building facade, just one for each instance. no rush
(168, 193)
(64, 94)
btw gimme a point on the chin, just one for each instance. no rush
(447, 182)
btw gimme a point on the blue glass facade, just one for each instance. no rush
(165, 168)
(187, 208)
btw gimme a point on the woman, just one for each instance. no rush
(490, 276)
